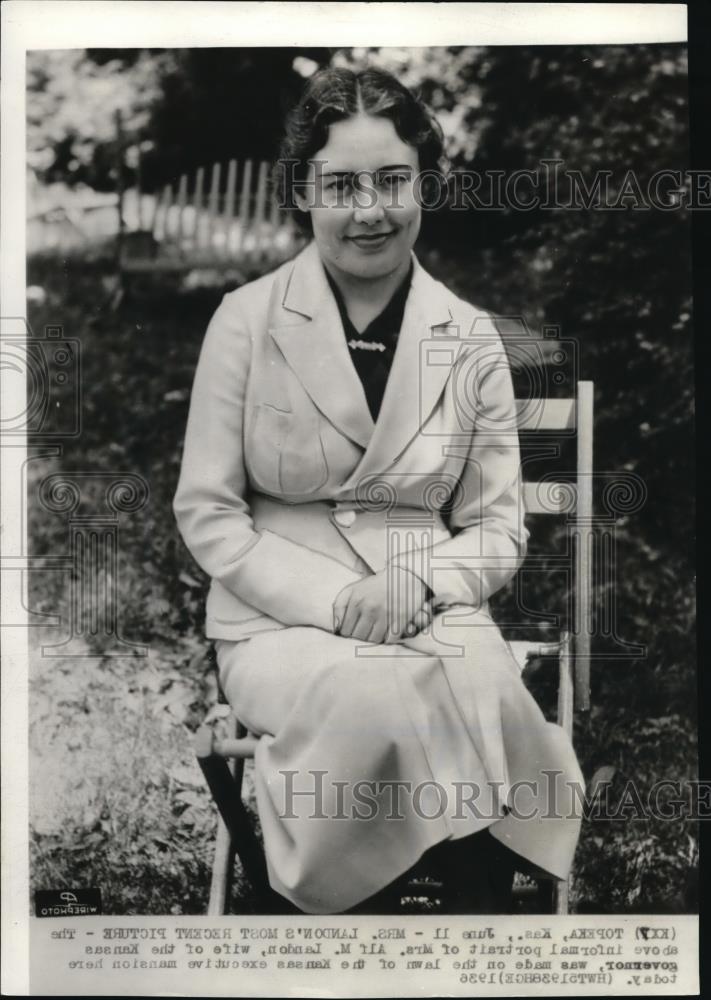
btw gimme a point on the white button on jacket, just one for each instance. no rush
(344, 517)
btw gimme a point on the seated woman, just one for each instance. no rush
(350, 482)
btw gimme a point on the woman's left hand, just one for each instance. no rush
(382, 608)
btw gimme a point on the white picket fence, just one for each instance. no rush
(231, 222)
(223, 216)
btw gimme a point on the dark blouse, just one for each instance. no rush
(372, 351)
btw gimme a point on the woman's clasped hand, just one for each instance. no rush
(383, 608)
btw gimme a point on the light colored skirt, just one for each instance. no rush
(371, 754)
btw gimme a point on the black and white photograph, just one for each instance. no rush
(348, 504)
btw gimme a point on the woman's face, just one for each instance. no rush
(360, 196)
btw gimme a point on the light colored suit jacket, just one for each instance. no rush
(288, 491)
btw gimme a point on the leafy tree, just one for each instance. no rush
(71, 103)
(186, 107)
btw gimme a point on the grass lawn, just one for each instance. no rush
(117, 799)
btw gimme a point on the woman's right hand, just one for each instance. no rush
(363, 609)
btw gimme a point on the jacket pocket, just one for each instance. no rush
(284, 452)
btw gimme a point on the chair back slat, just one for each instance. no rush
(546, 414)
(547, 496)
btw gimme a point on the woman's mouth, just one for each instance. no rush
(371, 241)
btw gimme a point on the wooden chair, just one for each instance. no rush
(236, 834)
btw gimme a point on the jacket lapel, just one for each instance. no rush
(310, 335)
(416, 380)
(313, 342)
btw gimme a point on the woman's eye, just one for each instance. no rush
(339, 186)
(391, 180)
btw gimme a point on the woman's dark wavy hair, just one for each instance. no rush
(335, 94)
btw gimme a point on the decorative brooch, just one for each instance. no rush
(366, 345)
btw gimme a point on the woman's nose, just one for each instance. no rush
(368, 209)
